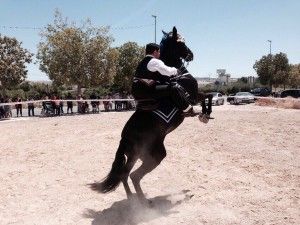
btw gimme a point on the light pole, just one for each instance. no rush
(270, 46)
(270, 63)
(154, 16)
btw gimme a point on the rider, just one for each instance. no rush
(150, 82)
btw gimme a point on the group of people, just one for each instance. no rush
(55, 105)
(151, 81)
(6, 110)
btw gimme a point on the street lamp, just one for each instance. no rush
(154, 16)
(270, 46)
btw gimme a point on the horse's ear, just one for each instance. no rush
(164, 33)
(175, 33)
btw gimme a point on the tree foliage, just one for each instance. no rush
(282, 67)
(294, 76)
(76, 55)
(12, 62)
(130, 54)
(273, 69)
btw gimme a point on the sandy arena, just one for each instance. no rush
(243, 167)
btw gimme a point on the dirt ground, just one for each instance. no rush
(243, 167)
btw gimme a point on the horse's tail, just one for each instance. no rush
(113, 179)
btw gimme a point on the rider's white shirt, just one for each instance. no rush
(156, 65)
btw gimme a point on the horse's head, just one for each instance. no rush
(173, 49)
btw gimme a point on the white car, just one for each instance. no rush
(241, 97)
(217, 99)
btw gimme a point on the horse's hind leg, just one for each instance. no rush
(149, 163)
(128, 167)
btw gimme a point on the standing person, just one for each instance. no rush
(2, 112)
(69, 104)
(19, 107)
(93, 103)
(150, 81)
(106, 103)
(57, 106)
(61, 106)
(45, 109)
(31, 107)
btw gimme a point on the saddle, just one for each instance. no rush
(147, 105)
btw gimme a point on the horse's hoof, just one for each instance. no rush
(203, 118)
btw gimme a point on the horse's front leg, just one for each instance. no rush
(209, 106)
(206, 110)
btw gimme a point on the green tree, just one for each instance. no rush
(243, 80)
(265, 70)
(130, 54)
(272, 69)
(76, 55)
(294, 76)
(281, 69)
(12, 62)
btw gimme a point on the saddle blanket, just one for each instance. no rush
(166, 111)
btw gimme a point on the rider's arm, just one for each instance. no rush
(156, 65)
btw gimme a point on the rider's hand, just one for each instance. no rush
(179, 72)
(173, 77)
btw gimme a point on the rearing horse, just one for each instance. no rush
(144, 133)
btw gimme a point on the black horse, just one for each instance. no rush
(144, 133)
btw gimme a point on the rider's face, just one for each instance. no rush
(156, 54)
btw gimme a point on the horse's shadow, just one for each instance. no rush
(131, 212)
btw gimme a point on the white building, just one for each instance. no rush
(223, 77)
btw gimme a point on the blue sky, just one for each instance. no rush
(228, 34)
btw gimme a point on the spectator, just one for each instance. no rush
(44, 105)
(131, 104)
(69, 104)
(93, 103)
(31, 107)
(19, 107)
(55, 105)
(2, 112)
(118, 104)
(107, 104)
(85, 107)
(98, 106)
(61, 106)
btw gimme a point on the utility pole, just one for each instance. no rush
(154, 16)
(270, 46)
(270, 62)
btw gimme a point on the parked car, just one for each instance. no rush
(295, 93)
(261, 91)
(241, 97)
(217, 99)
